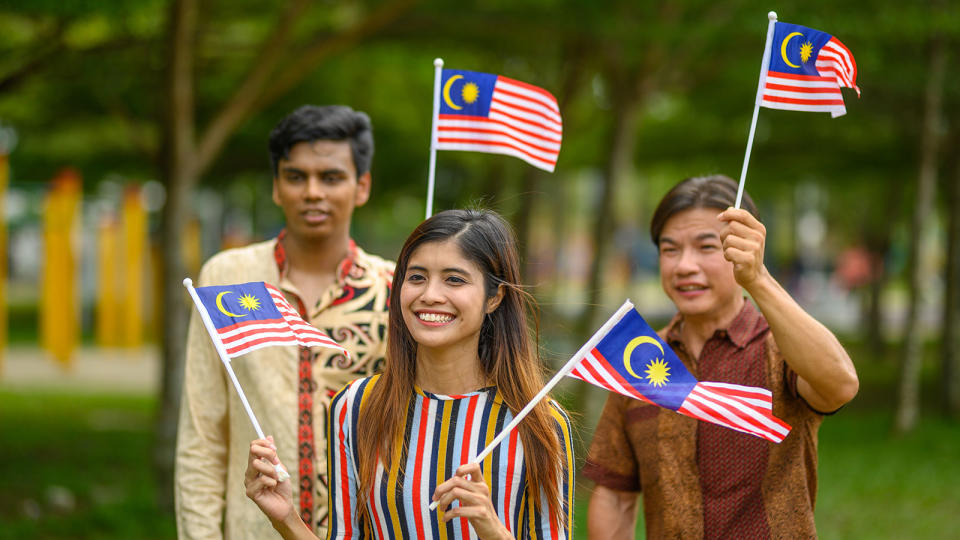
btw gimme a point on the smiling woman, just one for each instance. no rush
(461, 362)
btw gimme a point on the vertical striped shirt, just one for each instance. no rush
(442, 433)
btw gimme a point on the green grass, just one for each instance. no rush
(97, 447)
(94, 449)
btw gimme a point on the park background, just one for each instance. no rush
(133, 143)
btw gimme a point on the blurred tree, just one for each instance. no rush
(279, 65)
(908, 396)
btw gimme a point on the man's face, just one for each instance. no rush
(693, 271)
(317, 188)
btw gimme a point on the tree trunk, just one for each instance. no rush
(908, 402)
(950, 342)
(179, 172)
(622, 137)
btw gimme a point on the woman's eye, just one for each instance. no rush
(415, 277)
(456, 280)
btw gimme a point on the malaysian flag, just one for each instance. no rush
(250, 316)
(482, 112)
(806, 70)
(626, 356)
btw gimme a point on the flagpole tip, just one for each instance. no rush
(187, 282)
(772, 15)
(438, 62)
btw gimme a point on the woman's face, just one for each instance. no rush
(442, 298)
(693, 271)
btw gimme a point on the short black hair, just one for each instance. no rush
(323, 123)
(714, 191)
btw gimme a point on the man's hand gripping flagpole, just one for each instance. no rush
(282, 474)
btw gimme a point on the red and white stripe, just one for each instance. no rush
(815, 93)
(290, 329)
(743, 408)
(524, 122)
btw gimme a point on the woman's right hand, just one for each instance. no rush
(275, 498)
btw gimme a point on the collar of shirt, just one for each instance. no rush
(744, 328)
(349, 266)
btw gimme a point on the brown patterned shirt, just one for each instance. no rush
(701, 480)
(288, 388)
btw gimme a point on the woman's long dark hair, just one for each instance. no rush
(508, 354)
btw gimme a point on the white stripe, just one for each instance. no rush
(798, 83)
(727, 405)
(543, 96)
(733, 402)
(836, 110)
(375, 501)
(499, 106)
(495, 149)
(426, 493)
(843, 56)
(495, 138)
(690, 409)
(823, 95)
(534, 133)
(842, 78)
(740, 388)
(609, 381)
(532, 108)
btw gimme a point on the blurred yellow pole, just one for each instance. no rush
(4, 181)
(134, 250)
(59, 319)
(192, 248)
(108, 314)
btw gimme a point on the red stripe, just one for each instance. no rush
(496, 144)
(345, 482)
(484, 119)
(798, 77)
(755, 425)
(248, 344)
(804, 89)
(739, 393)
(516, 118)
(796, 101)
(609, 370)
(418, 469)
(834, 43)
(533, 105)
(373, 510)
(465, 452)
(529, 86)
(497, 132)
(500, 102)
(509, 479)
(241, 324)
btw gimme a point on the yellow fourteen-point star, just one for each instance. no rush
(249, 302)
(658, 372)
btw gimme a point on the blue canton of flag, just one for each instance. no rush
(629, 358)
(250, 316)
(482, 112)
(806, 70)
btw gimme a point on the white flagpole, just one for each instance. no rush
(225, 358)
(564, 371)
(437, 75)
(764, 66)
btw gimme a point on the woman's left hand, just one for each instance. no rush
(743, 238)
(467, 487)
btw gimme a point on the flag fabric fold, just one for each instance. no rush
(250, 316)
(806, 70)
(482, 112)
(629, 358)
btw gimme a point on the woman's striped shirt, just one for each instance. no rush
(442, 433)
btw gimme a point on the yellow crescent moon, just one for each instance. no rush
(783, 49)
(634, 343)
(223, 309)
(446, 92)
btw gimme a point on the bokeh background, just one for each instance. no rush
(133, 146)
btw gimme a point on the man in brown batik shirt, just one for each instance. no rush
(697, 479)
